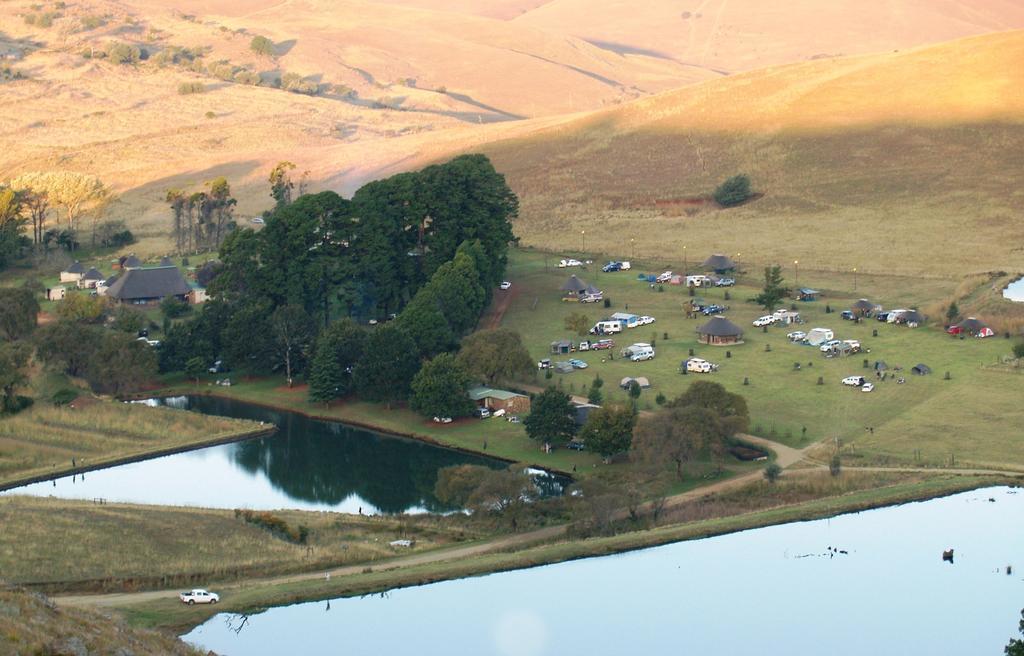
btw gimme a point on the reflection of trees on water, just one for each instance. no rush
(323, 462)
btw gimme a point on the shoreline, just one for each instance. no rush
(165, 614)
(138, 457)
(355, 423)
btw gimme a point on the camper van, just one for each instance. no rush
(819, 336)
(628, 320)
(699, 366)
(606, 327)
(639, 352)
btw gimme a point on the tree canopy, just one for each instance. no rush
(773, 292)
(733, 191)
(439, 389)
(551, 418)
(19, 311)
(609, 430)
(495, 355)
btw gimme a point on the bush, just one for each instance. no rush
(92, 22)
(64, 396)
(16, 404)
(188, 88)
(114, 234)
(277, 526)
(123, 53)
(261, 45)
(1018, 350)
(772, 472)
(173, 308)
(835, 465)
(295, 83)
(733, 191)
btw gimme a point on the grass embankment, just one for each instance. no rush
(975, 415)
(119, 547)
(169, 613)
(43, 440)
(31, 624)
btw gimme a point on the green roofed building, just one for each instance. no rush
(496, 399)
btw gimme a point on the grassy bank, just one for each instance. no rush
(129, 547)
(168, 613)
(46, 440)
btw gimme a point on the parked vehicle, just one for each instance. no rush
(569, 263)
(766, 320)
(575, 445)
(505, 284)
(627, 320)
(829, 345)
(853, 344)
(818, 336)
(882, 316)
(639, 352)
(218, 367)
(482, 413)
(544, 364)
(578, 364)
(512, 419)
(645, 320)
(443, 420)
(625, 266)
(606, 327)
(602, 344)
(592, 298)
(664, 277)
(584, 346)
(854, 381)
(708, 310)
(612, 266)
(699, 366)
(500, 412)
(797, 336)
(867, 387)
(257, 220)
(847, 314)
(725, 282)
(199, 596)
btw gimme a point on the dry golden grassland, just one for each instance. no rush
(121, 546)
(44, 439)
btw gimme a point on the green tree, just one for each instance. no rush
(172, 308)
(13, 361)
(326, 377)
(293, 334)
(439, 389)
(387, 367)
(773, 292)
(772, 472)
(66, 346)
(460, 296)
(952, 313)
(426, 324)
(680, 435)
(1016, 647)
(128, 320)
(82, 308)
(19, 310)
(730, 410)
(551, 418)
(495, 355)
(609, 430)
(733, 191)
(346, 341)
(263, 46)
(1018, 350)
(119, 363)
(595, 395)
(194, 368)
(578, 323)
(457, 483)
(281, 184)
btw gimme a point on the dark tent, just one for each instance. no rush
(880, 365)
(912, 316)
(971, 326)
(921, 369)
(863, 306)
(592, 290)
(574, 285)
(719, 330)
(719, 262)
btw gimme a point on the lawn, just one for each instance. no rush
(118, 546)
(46, 440)
(975, 408)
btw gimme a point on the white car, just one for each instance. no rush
(829, 345)
(505, 285)
(625, 266)
(766, 320)
(867, 387)
(569, 263)
(664, 277)
(854, 381)
(645, 320)
(797, 335)
(257, 220)
(443, 420)
(198, 596)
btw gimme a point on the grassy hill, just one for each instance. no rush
(895, 163)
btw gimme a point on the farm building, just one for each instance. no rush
(73, 273)
(719, 331)
(807, 294)
(90, 279)
(56, 293)
(496, 399)
(719, 263)
(198, 294)
(144, 286)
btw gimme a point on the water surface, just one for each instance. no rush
(1015, 291)
(307, 465)
(776, 590)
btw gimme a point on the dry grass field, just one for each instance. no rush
(44, 439)
(119, 546)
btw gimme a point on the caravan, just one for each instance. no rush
(627, 320)
(606, 327)
(819, 336)
(698, 366)
(638, 352)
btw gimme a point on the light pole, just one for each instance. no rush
(583, 234)
(796, 277)
(685, 266)
(632, 248)
(854, 278)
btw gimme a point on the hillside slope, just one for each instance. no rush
(903, 162)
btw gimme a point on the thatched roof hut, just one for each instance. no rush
(719, 331)
(719, 262)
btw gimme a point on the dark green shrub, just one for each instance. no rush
(733, 191)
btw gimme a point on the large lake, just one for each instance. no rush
(307, 465)
(776, 590)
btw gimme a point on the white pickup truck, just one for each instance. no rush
(198, 596)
